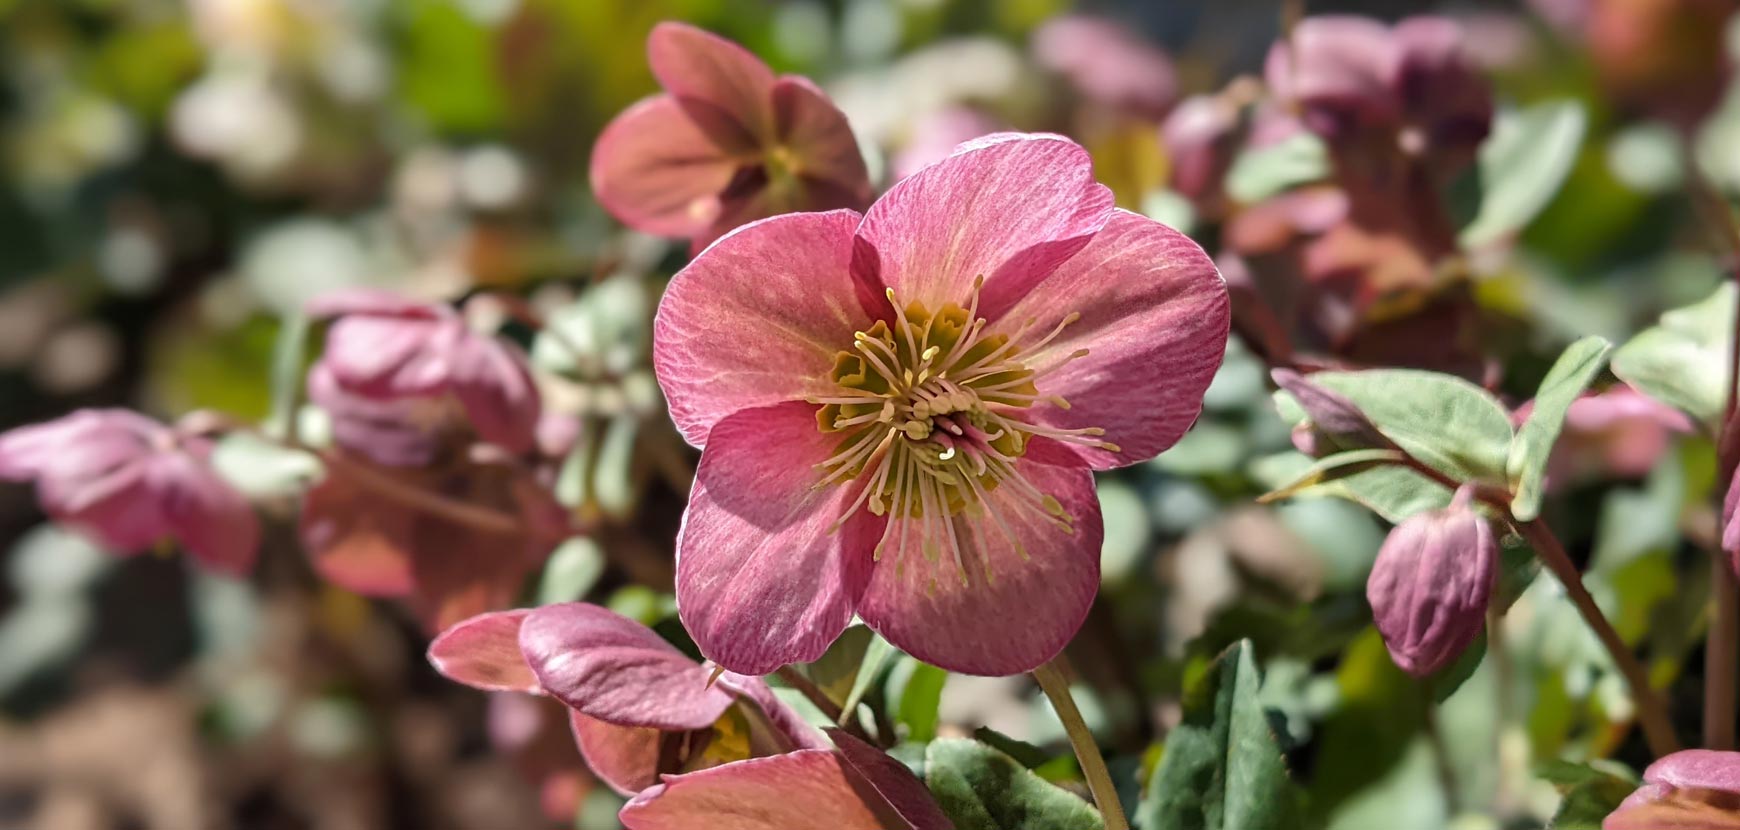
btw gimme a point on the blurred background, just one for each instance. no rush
(178, 178)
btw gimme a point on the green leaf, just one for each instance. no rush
(1333, 468)
(1683, 361)
(1258, 174)
(571, 572)
(1444, 421)
(980, 788)
(1527, 465)
(915, 689)
(836, 671)
(876, 656)
(1521, 166)
(1222, 768)
(1393, 492)
(288, 352)
(1590, 792)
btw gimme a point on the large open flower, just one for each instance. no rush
(729, 142)
(901, 411)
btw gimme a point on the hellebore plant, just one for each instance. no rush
(728, 143)
(638, 706)
(1430, 585)
(1697, 789)
(130, 483)
(900, 412)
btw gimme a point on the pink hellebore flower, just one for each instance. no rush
(1697, 789)
(1615, 432)
(729, 142)
(638, 706)
(1108, 63)
(901, 411)
(130, 482)
(1430, 585)
(398, 375)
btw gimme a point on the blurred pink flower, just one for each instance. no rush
(882, 404)
(728, 143)
(1618, 432)
(1201, 137)
(1108, 63)
(1695, 789)
(935, 137)
(856, 787)
(639, 707)
(130, 483)
(399, 377)
(1430, 585)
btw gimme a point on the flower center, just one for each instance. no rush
(933, 413)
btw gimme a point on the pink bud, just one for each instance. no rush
(1430, 585)
(132, 482)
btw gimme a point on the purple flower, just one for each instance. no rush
(130, 483)
(901, 411)
(728, 143)
(1697, 789)
(402, 379)
(1430, 585)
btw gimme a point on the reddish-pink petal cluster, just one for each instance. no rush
(901, 411)
(728, 143)
(131, 482)
(626, 688)
(1696, 789)
(1430, 585)
(395, 372)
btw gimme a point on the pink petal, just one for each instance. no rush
(1702, 768)
(117, 509)
(1009, 208)
(804, 789)
(1154, 321)
(1028, 610)
(483, 652)
(356, 540)
(779, 714)
(492, 382)
(624, 757)
(720, 83)
(212, 520)
(654, 170)
(390, 431)
(757, 319)
(763, 579)
(390, 356)
(816, 133)
(611, 668)
(892, 781)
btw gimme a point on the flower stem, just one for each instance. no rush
(1052, 679)
(811, 692)
(1652, 712)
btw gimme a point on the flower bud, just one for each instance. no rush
(1430, 585)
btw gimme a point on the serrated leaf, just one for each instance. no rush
(1683, 361)
(1258, 174)
(1527, 463)
(980, 788)
(1521, 167)
(1333, 468)
(1222, 768)
(1444, 421)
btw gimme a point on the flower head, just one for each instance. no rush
(1430, 585)
(900, 412)
(1108, 63)
(639, 707)
(131, 483)
(399, 377)
(729, 142)
(1694, 788)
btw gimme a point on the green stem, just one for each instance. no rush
(1053, 680)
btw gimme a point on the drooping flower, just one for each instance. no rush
(900, 411)
(131, 483)
(639, 707)
(1430, 584)
(728, 143)
(855, 787)
(1695, 789)
(400, 378)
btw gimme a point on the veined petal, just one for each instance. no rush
(779, 714)
(624, 757)
(1026, 609)
(657, 172)
(807, 788)
(818, 136)
(483, 652)
(763, 579)
(1154, 321)
(1009, 208)
(704, 70)
(211, 519)
(756, 319)
(896, 784)
(616, 670)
